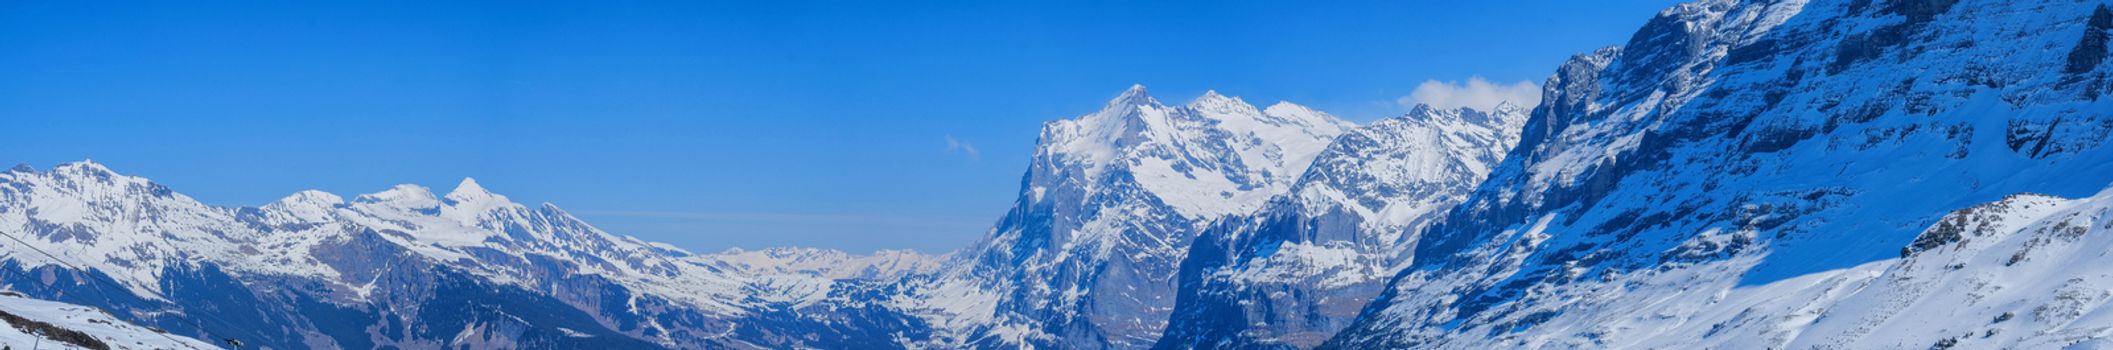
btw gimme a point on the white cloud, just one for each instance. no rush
(1477, 93)
(953, 144)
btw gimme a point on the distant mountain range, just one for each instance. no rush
(1740, 174)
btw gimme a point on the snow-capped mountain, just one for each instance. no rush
(1294, 273)
(1742, 152)
(31, 323)
(1740, 174)
(1107, 211)
(1109, 208)
(402, 267)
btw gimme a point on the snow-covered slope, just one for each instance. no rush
(1299, 270)
(26, 323)
(1756, 147)
(318, 270)
(1109, 205)
(2024, 272)
(88, 216)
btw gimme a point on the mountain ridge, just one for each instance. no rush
(133, 233)
(1298, 270)
(1738, 174)
(1109, 203)
(1713, 154)
(314, 253)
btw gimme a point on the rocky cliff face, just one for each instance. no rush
(1107, 210)
(1294, 273)
(1741, 146)
(1087, 259)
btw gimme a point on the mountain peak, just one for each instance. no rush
(1241, 152)
(1138, 89)
(312, 196)
(1219, 106)
(305, 206)
(1315, 121)
(469, 187)
(1212, 96)
(1505, 107)
(1422, 110)
(1099, 136)
(1130, 99)
(88, 171)
(1503, 113)
(404, 195)
(85, 166)
(1288, 108)
(468, 191)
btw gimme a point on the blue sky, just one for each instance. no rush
(705, 124)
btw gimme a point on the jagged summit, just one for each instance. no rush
(1109, 206)
(403, 195)
(1215, 105)
(302, 207)
(1299, 269)
(1497, 115)
(1130, 99)
(1288, 108)
(1237, 152)
(469, 192)
(469, 186)
(83, 165)
(79, 171)
(1505, 107)
(86, 170)
(312, 196)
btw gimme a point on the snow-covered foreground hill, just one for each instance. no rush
(2028, 271)
(2025, 272)
(29, 323)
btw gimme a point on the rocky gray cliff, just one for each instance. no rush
(1299, 270)
(1735, 150)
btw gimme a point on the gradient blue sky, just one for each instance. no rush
(704, 124)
